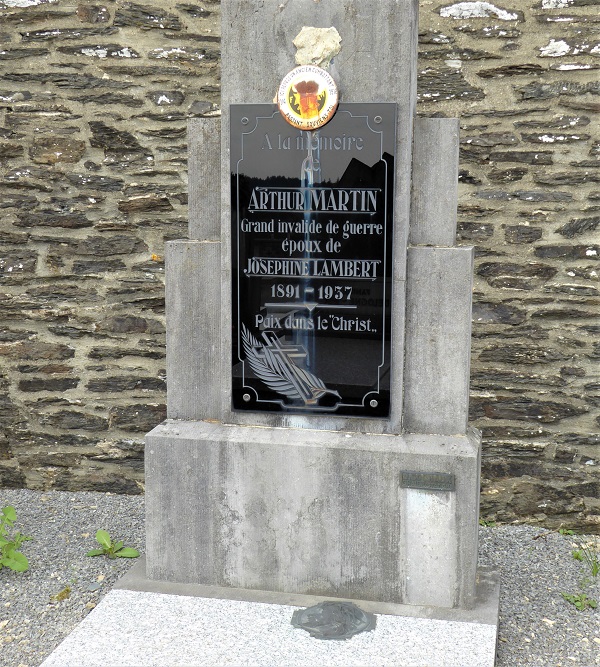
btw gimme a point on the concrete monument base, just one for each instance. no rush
(148, 624)
(388, 518)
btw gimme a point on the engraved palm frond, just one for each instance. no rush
(265, 366)
(280, 373)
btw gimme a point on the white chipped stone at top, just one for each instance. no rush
(476, 10)
(568, 67)
(101, 52)
(555, 48)
(25, 3)
(98, 52)
(317, 46)
(556, 4)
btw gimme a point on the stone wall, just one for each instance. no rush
(94, 100)
(524, 77)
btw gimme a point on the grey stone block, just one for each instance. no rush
(438, 340)
(434, 181)
(204, 178)
(193, 294)
(313, 512)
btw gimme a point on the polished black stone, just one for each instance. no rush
(312, 219)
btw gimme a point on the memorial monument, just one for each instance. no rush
(318, 326)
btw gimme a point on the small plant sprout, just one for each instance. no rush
(587, 554)
(580, 601)
(110, 548)
(10, 544)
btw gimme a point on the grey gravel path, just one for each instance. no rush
(537, 626)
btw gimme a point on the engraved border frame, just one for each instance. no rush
(343, 108)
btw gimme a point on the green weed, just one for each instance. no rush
(10, 556)
(580, 601)
(587, 554)
(110, 548)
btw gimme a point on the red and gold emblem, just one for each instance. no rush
(307, 97)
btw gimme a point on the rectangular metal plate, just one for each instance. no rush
(428, 481)
(312, 221)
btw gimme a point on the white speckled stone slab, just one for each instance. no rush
(141, 629)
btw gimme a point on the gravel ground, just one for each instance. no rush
(537, 626)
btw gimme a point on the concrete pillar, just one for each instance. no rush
(310, 504)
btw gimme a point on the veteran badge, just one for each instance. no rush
(307, 97)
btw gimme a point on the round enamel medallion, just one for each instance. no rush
(307, 97)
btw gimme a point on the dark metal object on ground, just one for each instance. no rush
(333, 620)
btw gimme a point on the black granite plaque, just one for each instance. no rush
(427, 481)
(312, 219)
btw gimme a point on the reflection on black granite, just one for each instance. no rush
(312, 262)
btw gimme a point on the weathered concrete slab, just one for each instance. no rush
(204, 178)
(438, 340)
(484, 609)
(193, 331)
(434, 181)
(312, 512)
(258, 48)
